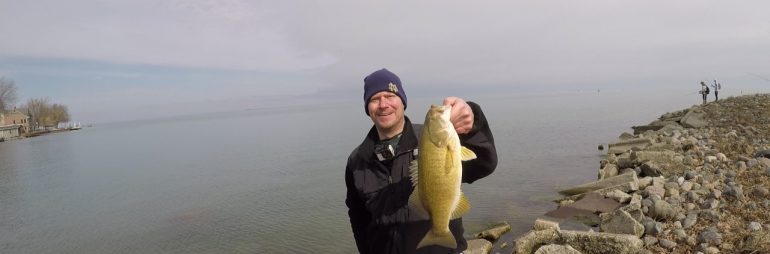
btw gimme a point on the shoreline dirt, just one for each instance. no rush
(694, 180)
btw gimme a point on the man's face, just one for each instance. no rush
(387, 111)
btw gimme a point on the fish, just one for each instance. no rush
(436, 175)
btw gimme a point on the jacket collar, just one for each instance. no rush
(408, 141)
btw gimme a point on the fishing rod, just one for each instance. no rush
(699, 91)
(696, 92)
(758, 76)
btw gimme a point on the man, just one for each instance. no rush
(716, 87)
(704, 91)
(377, 171)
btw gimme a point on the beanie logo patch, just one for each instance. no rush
(392, 87)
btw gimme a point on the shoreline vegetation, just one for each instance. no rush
(692, 181)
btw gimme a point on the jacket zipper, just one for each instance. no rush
(414, 153)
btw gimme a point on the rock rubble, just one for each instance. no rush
(695, 180)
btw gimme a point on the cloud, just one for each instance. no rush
(280, 49)
(544, 43)
(440, 42)
(205, 34)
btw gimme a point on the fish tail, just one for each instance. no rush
(431, 238)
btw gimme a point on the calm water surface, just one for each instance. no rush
(271, 180)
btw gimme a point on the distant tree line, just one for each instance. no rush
(7, 93)
(41, 111)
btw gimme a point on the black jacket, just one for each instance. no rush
(378, 192)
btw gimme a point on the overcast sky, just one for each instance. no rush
(114, 60)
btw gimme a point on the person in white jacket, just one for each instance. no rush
(717, 87)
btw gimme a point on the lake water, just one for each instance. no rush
(272, 180)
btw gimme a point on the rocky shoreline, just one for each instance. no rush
(692, 181)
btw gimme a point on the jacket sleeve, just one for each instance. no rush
(480, 141)
(359, 216)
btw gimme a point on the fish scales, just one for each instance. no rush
(437, 176)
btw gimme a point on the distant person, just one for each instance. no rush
(717, 87)
(704, 91)
(377, 172)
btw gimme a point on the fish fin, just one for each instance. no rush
(416, 209)
(466, 154)
(463, 206)
(414, 173)
(431, 238)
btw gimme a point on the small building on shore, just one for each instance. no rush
(13, 124)
(10, 132)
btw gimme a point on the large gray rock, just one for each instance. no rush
(637, 214)
(529, 242)
(662, 210)
(621, 222)
(557, 249)
(542, 224)
(639, 129)
(478, 246)
(609, 182)
(651, 169)
(670, 128)
(494, 233)
(586, 209)
(636, 202)
(658, 156)
(585, 242)
(595, 202)
(626, 136)
(654, 191)
(694, 119)
(607, 171)
(644, 182)
(589, 242)
(623, 146)
(584, 217)
(624, 161)
(619, 196)
(667, 121)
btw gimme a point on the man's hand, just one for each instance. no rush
(461, 116)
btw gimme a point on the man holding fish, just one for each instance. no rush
(403, 181)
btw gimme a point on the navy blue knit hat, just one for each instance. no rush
(382, 80)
